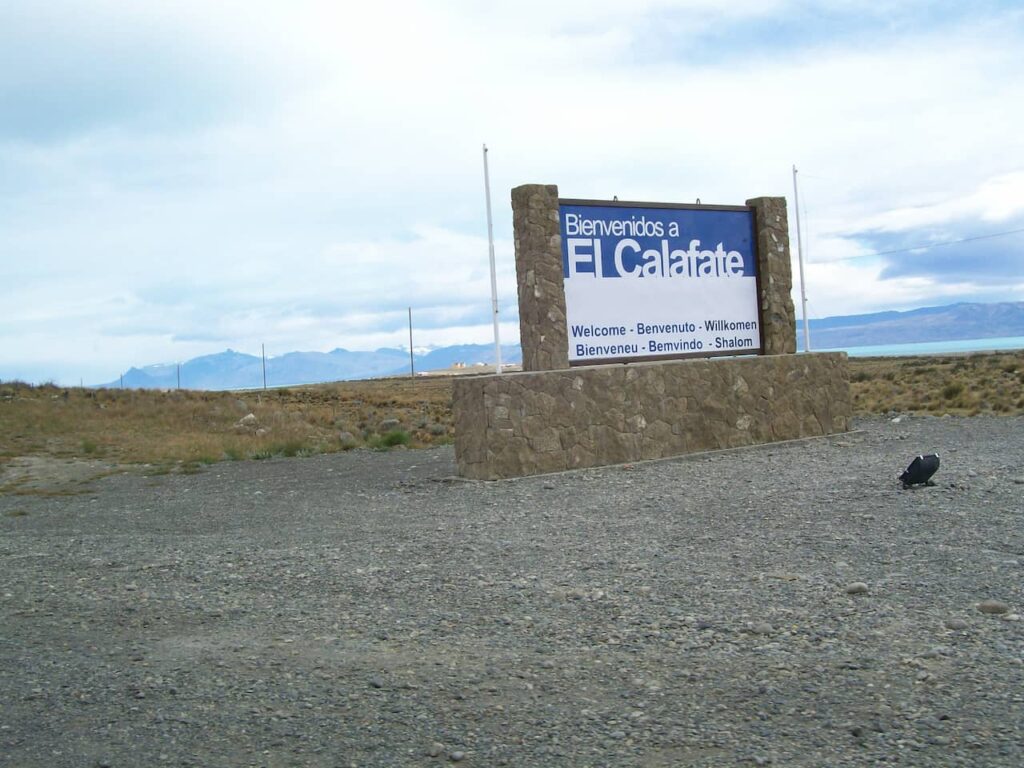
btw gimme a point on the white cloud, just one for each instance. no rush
(996, 200)
(855, 288)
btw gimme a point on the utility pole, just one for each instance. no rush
(800, 258)
(494, 281)
(179, 375)
(412, 360)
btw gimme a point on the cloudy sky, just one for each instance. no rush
(178, 177)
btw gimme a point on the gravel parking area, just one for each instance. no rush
(781, 605)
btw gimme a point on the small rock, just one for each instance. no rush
(376, 682)
(856, 588)
(993, 606)
(435, 749)
(457, 756)
(762, 628)
(956, 624)
(617, 735)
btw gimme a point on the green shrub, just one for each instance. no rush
(388, 439)
(395, 437)
(952, 389)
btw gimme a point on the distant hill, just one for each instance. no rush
(236, 370)
(947, 323)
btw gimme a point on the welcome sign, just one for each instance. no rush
(651, 280)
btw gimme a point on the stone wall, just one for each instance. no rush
(543, 334)
(530, 423)
(778, 317)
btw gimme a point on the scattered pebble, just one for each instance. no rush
(993, 606)
(856, 588)
(956, 624)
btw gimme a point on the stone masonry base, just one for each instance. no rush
(548, 421)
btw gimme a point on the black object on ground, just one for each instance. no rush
(920, 470)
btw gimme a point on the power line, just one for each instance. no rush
(926, 247)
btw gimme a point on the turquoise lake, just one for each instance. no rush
(927, 348)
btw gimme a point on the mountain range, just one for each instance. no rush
(951, 322)
(236, 370)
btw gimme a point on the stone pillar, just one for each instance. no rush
(778, 317)
(542, 330)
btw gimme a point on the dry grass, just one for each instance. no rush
(185, 430)
(196, 428)
(956, 384)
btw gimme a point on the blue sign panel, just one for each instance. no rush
(658, 281)
(620, 242)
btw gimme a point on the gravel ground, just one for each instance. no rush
(784, 605)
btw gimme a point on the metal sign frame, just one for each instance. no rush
(755, 253)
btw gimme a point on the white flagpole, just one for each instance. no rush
(800, 258)
(494, 280)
